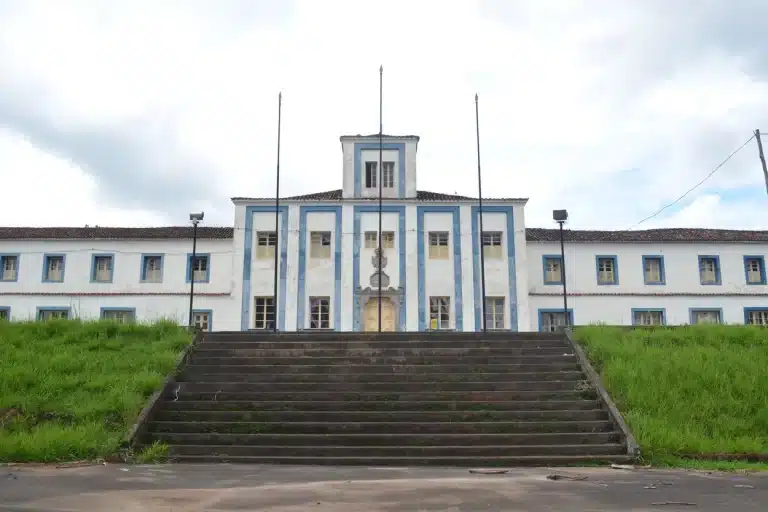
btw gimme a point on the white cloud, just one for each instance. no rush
(571, 100)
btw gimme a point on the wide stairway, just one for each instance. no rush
(493, 399)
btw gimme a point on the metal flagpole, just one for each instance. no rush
(380, 174)
(277, 209)
(480, 211)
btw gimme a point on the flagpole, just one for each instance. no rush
(380, 175)
(480, 210)
(277, 208)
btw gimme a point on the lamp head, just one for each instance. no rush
(196, 217)
(560, 215)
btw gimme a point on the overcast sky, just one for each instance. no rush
(138, 112)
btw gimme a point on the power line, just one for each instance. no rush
(721, 164)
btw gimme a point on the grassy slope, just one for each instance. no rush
(690, 390)
(71, 390)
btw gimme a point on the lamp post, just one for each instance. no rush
(195, 218)
(561, 216)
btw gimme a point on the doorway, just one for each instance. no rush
(387, 315)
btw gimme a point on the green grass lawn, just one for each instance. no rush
(71, 390)
(687, 391)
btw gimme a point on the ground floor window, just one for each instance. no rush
(757, 317)
(706, 316)
(552, 321)
(264, 312)
(648, 317)
(439, 312)
(494, 312)
(319, 312)
(118, 315)
(52, 313)
(5, 313)
(202, 320)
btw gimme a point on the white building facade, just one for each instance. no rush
(325, 245)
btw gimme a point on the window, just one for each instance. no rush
(52, 313)
(756, 316)
(118, 315)
(439, 313)
(553, 321)
(372, 239)
(438, 245)
(9, 265)
(266, 241)
(5, 313)
(101, 268)
(370, 175)
(320, 244)
(264, 311)
(709, 270)
(199, 268)
(607, 271)
(653, 269)
(492, 245)
(388, 174)
(494, 312)
(319, 313)
(202, 320)
(152, 268)
(754, 268)
(53, 268)
(648, 317)
(553, 270)
(706, 316)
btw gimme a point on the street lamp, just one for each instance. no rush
(561, 216)
(195, 218)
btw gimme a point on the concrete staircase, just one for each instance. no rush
(403, 399)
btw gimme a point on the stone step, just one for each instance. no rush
(556, 406)
(377, 416)
(209, 374)
(213, 350)
(381, 427)
(233, 365)
(342, 336)
(565, 359)
(378, 345)
(472, 439)
(335, 388)
(374, 396)
(459, 450)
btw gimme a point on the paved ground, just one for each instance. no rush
(116, 488)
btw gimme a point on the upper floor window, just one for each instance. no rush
(372, 239)
(53, 268)
(607, 270)
(266, 241)
(492, 245)
(370, 174)
(494, 312)
(754, 268)
(152, 268)
(9, 265)
(553, 270)
(438, 245)
(320, 244)
(199, 268)
(102, 268)
(709, 269)
(388, 174)
(653, 269)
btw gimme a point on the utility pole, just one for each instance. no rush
(762, 158)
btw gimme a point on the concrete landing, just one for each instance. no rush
(223, 487)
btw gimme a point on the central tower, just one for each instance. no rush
(361, 166)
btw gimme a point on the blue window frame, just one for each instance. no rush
(9, 267)
(152, 268)
(5, 312)
(754, 269)
(116, 314)
(756, 316)
(607, 267)
(552, 319)
(552, 266)
(54, 266)
(653, 270)
(51, 312)
(203, 319)
(653, 316)
(102, 267)
(709, 270)
(201, 267)
(706, 315)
